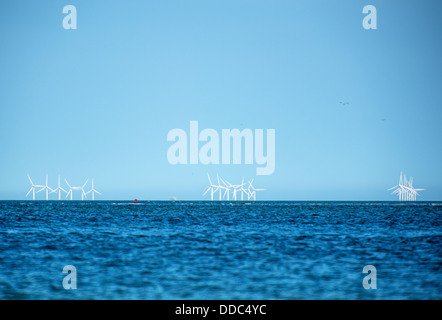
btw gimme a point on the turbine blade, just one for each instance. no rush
(223, 181)
(206, 191)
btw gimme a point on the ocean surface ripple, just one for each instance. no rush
(220, 250)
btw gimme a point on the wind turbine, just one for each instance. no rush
(83, 194)
(400, 190)
(47, 188)
(220, 187)
(59, 189)
(33, 186)
(70, 189)
(413, 191)
(405, 189)
(235, 189)
(211, 188)
(252, 190)
(243, 191)
(93, 190)
(227, 188)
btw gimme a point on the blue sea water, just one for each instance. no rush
(220, 250)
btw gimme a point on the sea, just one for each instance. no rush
(220, 250)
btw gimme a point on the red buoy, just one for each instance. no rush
(136, 200)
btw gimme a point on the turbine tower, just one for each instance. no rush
(59, 189)
(93, 191)
(226, 188)
(70, 190)
(220, 187)
(83, 194)
(243, 191)
(211, 188)
(235, 188)
(252, 190)
(47, 188)
(33, 186)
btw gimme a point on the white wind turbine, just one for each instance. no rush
(413, 193)
(405, 189)
(93, 191)
(83, 194)
(252, 190)
(236, 188)
(70, 190)
(220, 187)
(244, 191)
(33, 186)
(226, 188)
(47, 188)
(211, 188)
(59, 189)
(400, 188)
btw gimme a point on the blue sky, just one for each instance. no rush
(98, 102)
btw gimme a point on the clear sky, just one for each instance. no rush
(98, 102)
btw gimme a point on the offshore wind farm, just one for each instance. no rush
(225, 189)
(37, 188)
(405, 190)
(221, 190)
